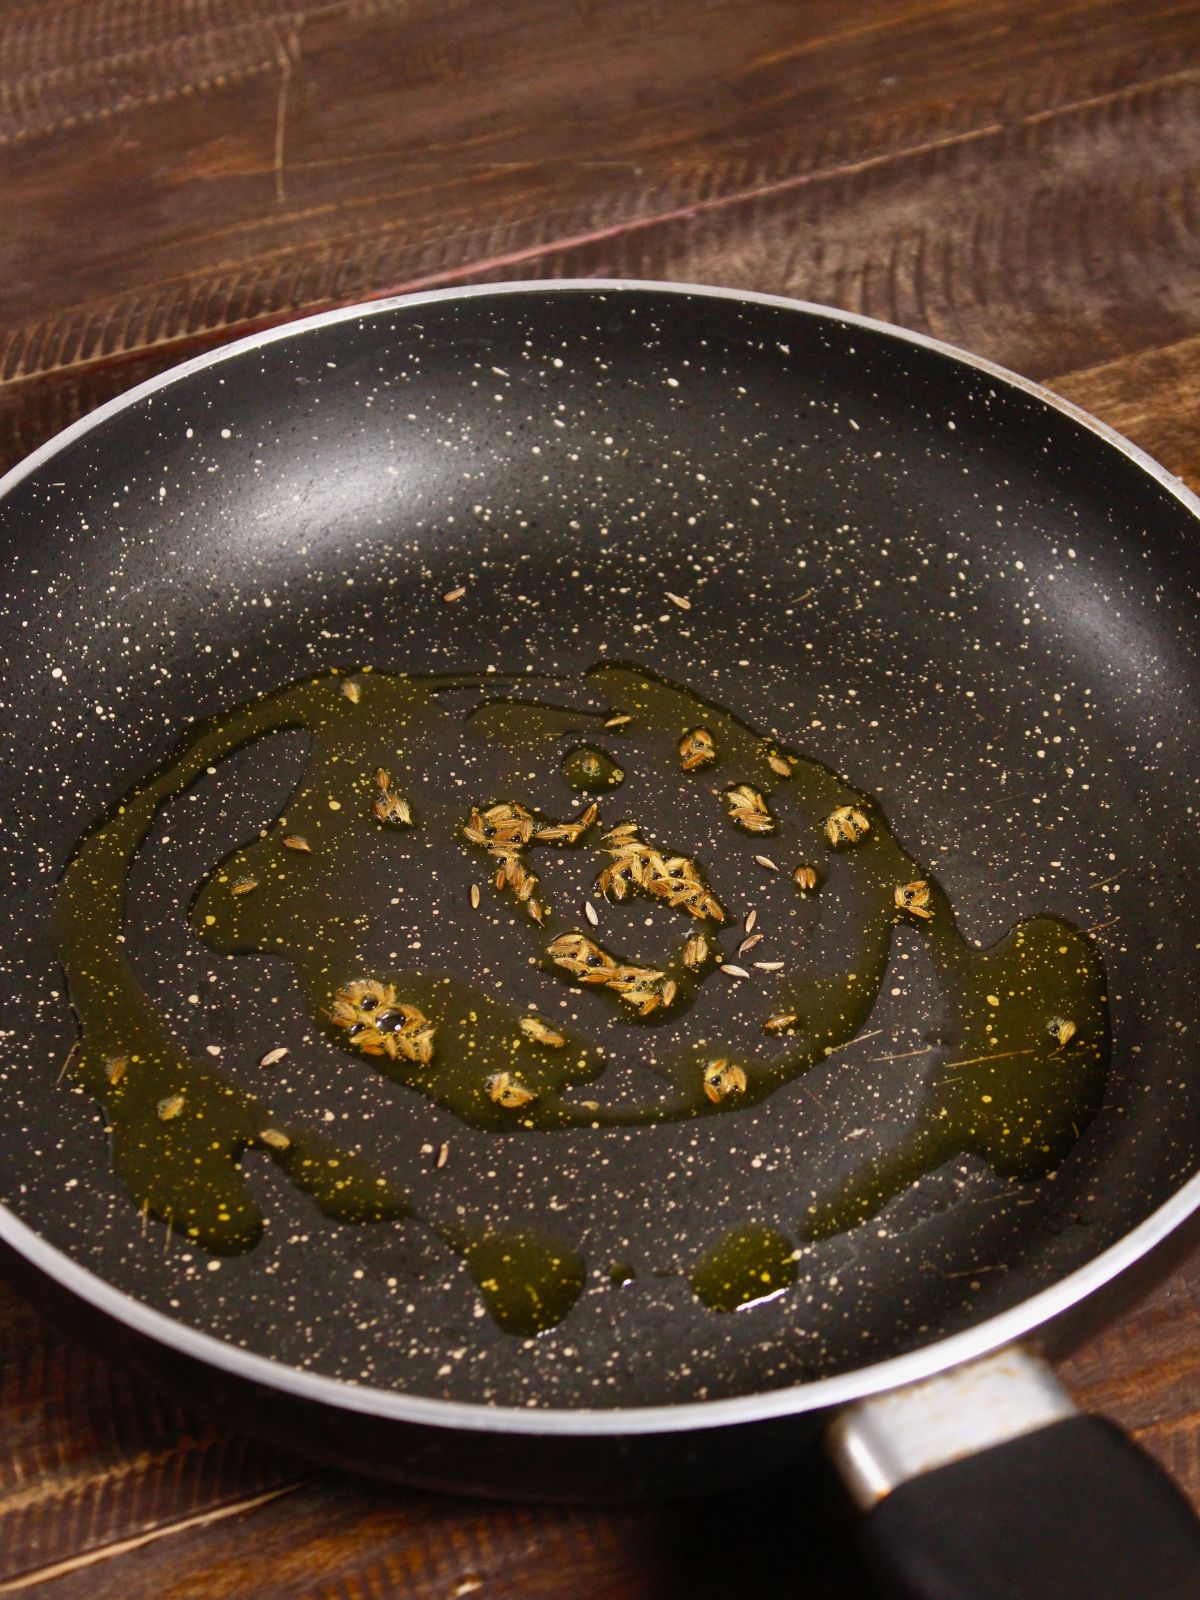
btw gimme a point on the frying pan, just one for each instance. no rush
(960, 594)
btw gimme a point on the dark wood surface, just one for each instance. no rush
(1018, 176)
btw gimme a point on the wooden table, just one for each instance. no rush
(1018, 176)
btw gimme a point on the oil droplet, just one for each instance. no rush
(590, 770)
(748, 1266)
(529, 1281)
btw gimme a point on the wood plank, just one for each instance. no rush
(340, 1539)
(285, 157)
(1056, 243)
(1153, 397)
(108, 1484)
(93, 1455)
(1144, 1371)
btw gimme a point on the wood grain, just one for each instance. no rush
(188, 1514)
(93, 1457)
(1153, 397)
(151, 163)
(1019, 177)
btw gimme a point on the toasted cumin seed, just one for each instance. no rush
(748, 944)
(454, 594)
(273, 1137)
(619, 721)
(353, 692)
(474, 894)
(243, 886)
(680, 600)
(765, 861)
(769, 966)
(590, 913)
(731, 971)
(751, 919)
(169, 1106)
(1063, 1030)
(779, 765)
(297, 841)
(780, 1022)
(442, 1156)
(541, 1032)
(273, 1057)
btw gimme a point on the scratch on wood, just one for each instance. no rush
(287, 60)
(120, 1547)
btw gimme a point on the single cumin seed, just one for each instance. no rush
(680, 600)
(169, 1106)
(540, 1032)
(619, 721)
(731, 971)
(454, 594)
(276, 1140)
(748, 944)
(590, 913)
(243, 886)
(443, 1155)
(769, 966)
(781, 1022)
(751, 919)
(475, 895)
(353, 692)
(273, 1057)
(765, 861)
(297, 841)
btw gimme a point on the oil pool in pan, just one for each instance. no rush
(627, 848)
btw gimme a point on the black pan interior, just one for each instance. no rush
(964, 601)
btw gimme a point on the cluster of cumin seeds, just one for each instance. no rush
(378, 1022)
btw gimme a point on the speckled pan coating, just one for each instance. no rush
(960, 598)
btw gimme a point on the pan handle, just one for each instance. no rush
(986, 1483)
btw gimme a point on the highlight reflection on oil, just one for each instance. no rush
(1018, 1074)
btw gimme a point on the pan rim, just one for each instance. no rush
(682, 1416)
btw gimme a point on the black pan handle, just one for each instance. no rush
(985, 1483)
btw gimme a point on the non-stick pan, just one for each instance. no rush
(942, 630)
